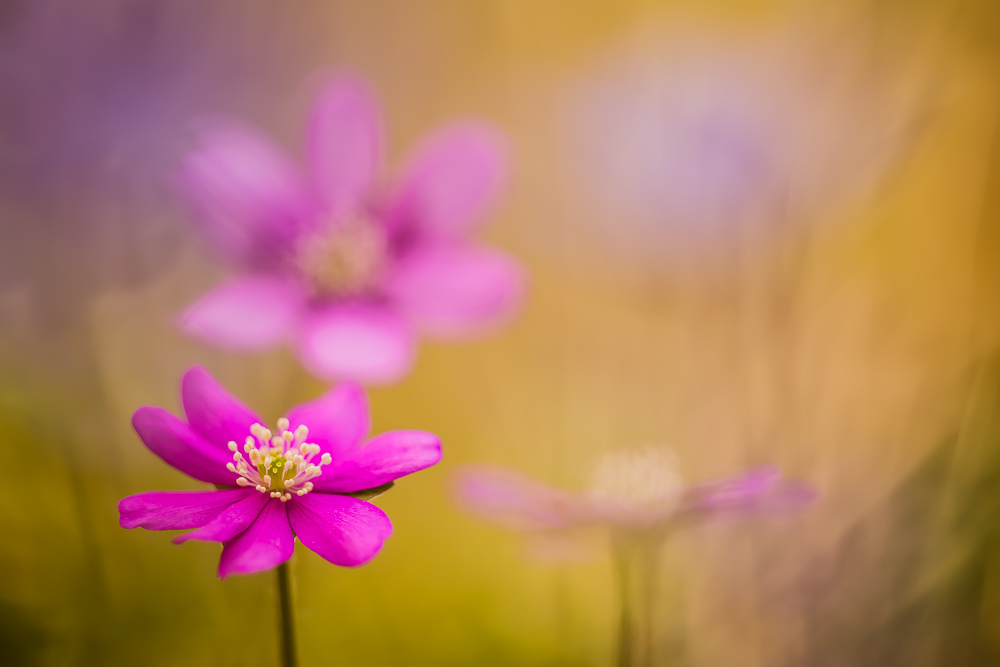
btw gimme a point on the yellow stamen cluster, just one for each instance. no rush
(279, 464)
(344, 261)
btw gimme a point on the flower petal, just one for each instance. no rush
(758, 490)
(345, 144)
(181, 446)
(251, 198)
(455, 290)
(382, 459)
(232, 521)
(343, 530)
(337, 421)
(451, 181)
(734, 491)
(176, 510)
(267, 543)
(515, 501)
(212, 411)
(246, 313)
(363, 342)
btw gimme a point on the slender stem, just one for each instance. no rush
(623, 559)
(645, 582)
(636, 561)
(286, 612)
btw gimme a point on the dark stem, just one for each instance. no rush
(285, 610)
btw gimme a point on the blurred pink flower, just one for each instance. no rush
(343, 267)
(297, 482)
(681, 137)
(638, 493)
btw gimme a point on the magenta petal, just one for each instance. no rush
(345, 144)
(758, 490)
(247, 313)
(231, 522)
(364, 342)
(735, 491)
(176, 510)
(337, 421)
(267, 543)
(382, 459)
(211, 410)
(454, 177)
(343, 530)
(181, 446)
(456, 289)
(252, 200)
(515, 501)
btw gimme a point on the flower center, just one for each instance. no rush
(279, 464)
(637, 478)
(346, 260)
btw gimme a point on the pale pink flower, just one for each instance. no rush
(308, 479)
(345, 267)
(636, 493)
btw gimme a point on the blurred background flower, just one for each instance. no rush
(338, 264)
(689, 138)
(849, 335)
(638, 501)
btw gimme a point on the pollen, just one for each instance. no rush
(345, 260)
(637, 478)
(279, 464)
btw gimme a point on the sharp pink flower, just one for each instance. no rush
(344, 267)
(307, 479)
(633, 492)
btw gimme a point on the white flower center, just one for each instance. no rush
(278, 464)
(344, 260)
(636, 479)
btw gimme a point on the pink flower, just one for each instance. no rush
(345, 268)
(637, 493)
(299, 481)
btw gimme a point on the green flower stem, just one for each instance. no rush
(635, 561)
(626, 631)
(287, 616)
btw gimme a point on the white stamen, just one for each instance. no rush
(285, 460)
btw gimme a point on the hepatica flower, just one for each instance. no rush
(306, 479)
(633, 493)
(639, 499)
(341, 264)
(681, 138)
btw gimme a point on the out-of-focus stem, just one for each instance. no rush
(626, 631)
(286, 614)
(646, 597)
(635, 561)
